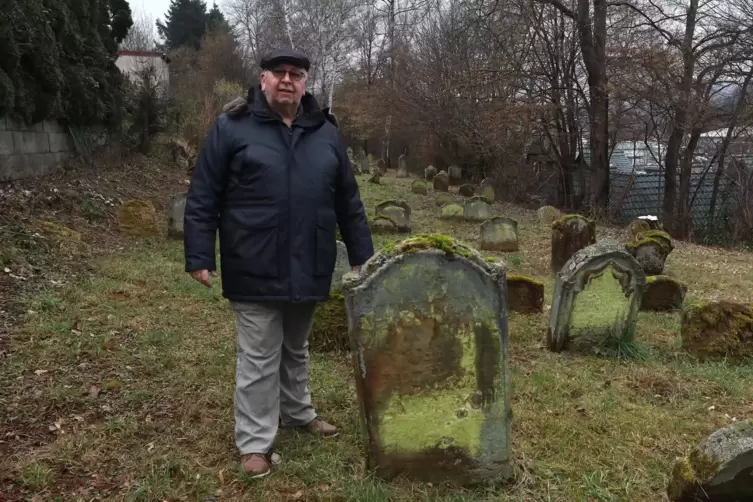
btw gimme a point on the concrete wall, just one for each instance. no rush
(131, 63)
(34, 150)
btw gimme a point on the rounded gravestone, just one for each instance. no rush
(399, 212)
(177, 208)
(487, 192)
(451, 211)
(402, 167)
(419, 187)
(477, 209)
(441, 182)
(663, 293)
(570, 234)
(467, 190)
(430, 172)
(548, 215)
(455, 175)
(651, 249)
(486, 182)
(443, 198)
(525, 295)
(499, 234)
(428, 323)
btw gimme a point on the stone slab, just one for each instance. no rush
(16, 167)
(7, 146)
(31, 142)
(60, 142)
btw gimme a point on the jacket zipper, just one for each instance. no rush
(290, 209)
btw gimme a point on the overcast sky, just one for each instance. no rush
(156, 9)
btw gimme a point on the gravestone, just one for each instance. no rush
(376, 176)
(570, 234)
(477, 209)
(330, 329)
(398, 212)
(455, 175)
(608, 284)
(451, 211)
(364, 162)
(138, 218)
(428, 332)
(430, 172)
(548, 215)
(402, 167)
(663, 293)
(719, 469)
(467, 190)
(651, 249)
(441, 182)
(487, 192)
(383, 225)
(443, 198)
(381, 166)
(636, 227)
(486, 182)
(419, 187)
(718, 331)
(499, 234)
(176, 210)
(525, 295)
(653, 222)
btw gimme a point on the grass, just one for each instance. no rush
(120, 387)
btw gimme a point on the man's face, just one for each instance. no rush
(284, 84)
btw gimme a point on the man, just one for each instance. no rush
(274, 178)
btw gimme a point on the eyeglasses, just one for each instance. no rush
(295, 75)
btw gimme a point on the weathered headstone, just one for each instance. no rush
(381, 165)
(636, 227)
(402, 167)
(663, 293)
(376, 176)
(383, 225)
(419, 187)
(330, 329)
(614, 282)
(176, 210)
(570, 234)
(719, 469)
(443, 198)
(487, 192)
(139, 218)
(714, 331)
(430, 172)
(486, 182)
(477, 209)
(455, 175)
(451, 211)
(441, 182)
(651, 249)
(499, 234)
(548, 215)
(364, 162)
(525, 295)
(467, 190)
(428, 331)
(399, 212)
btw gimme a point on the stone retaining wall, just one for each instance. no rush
(34, 150)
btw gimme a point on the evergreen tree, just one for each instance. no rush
(216, 21)
(185, 24)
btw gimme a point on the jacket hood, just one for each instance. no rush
(311, 114)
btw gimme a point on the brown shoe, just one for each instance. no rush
(256, 465)
(322, 428)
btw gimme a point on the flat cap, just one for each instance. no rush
(285, 55)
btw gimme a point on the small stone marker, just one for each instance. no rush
(443, 198)
(177, 209)
(451, 211)
(381, 165)
(487, 192)
(548, 215)
(570, 234)
(525, 295)
(430, 172)
(663, 293)
(383, 225)
(637, 227)
(715, 331)
(499, 234)
(139, 218)
(363, 160)
(477, 209)
(402, 167)
(718, 469)
(330, 329)
(467, 190)
(651, 249)
(441, 182)
(398, 212)
(607, 259)
(455, 174)
(428, 330)
(419, 187)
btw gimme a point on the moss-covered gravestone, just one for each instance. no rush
(441, 182)
(330, 329)
(429, 173)
(719, 469)
(428, 331)
(651, 249)
(381, 166)
(663, 293)
(176, 210)
(487, 192)
(524, 294)
(548, 215)
(637, 227)
(139, 218)
(455, 175)
(597, 295)
(467, 190)
(398, 212)
(570, 234)
(499, 234)
(383, 225)
(477, 209)
(419, 187)
(718, 330)
(451, 211)
(443, 198)
(402, 167)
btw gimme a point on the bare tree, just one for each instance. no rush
(141, 35)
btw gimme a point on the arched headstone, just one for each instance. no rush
(570, 234)
(383, 225)
(402, 167)
(487, 192)
(499, 234)
(428, 330)
(477, 209)
(376, 176)
(398, 212)
(419, 187)
(443, 198)
(455, 175)
(467, 190)
(441, 182)
(430, 172)
(451, 211)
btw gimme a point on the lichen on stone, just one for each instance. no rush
(718, 330)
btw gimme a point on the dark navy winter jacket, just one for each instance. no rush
(276, 194)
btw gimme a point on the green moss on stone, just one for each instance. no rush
(704, 467)
(720, 330)
(681, 479)
(442, 242)
(523, 278)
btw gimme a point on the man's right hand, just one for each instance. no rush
(203, 276)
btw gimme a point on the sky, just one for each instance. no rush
(156, 9)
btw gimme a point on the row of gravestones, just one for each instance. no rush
(427, 320)
(364, 164)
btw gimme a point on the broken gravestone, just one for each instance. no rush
(402, 167)
(330, 329)
(596, 297)
(477, 209)
(570, 234)
(719, 469)
(663, 293)
(525, 295)
(487, 193)
(430, 172)
(455, 175)
(428, 330)
(176, 210)
(443, 198)
(441, 182)
(139, 218)
(715, 331)
(419, 187)
(467, 190)
(451, 211)
(398, 212)
(499, 234)
(651, 249)
(548, 215)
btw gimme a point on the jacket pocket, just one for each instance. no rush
(326, 246)
(254, 233)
